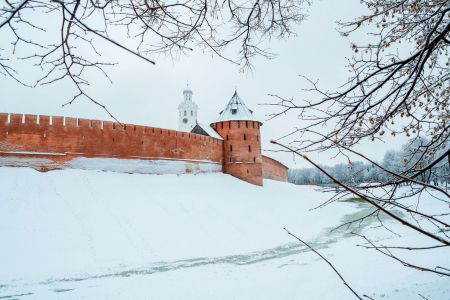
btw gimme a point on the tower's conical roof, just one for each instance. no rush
(236, 110)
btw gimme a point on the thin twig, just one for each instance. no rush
(327, 261)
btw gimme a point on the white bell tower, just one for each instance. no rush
(187, 112)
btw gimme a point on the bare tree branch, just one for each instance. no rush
(327, 261)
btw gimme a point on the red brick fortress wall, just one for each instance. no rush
(242, 149)
(61, 139)
(273, 169)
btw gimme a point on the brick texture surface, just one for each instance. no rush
(242, 149)
(272, 169)
(239, 152)
(93, 138)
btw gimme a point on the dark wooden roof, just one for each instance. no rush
(199, 130)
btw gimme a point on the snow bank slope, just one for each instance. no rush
(81, 220)
(72, 233)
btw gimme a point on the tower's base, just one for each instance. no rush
(250, 172)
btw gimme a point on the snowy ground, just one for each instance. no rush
(76, 234)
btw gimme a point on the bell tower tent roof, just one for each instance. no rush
(236, 110)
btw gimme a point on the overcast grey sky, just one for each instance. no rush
(148, 94)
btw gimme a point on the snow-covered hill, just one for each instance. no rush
(99, 235)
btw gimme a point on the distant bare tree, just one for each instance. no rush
(58, 38)
(400, 85)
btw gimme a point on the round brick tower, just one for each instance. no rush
(242, 141)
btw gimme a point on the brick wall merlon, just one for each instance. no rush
(71, 122)
(15, 119)
(3, 118)
(58, 121)
(44, 120)
(96, 124)
(30, 119)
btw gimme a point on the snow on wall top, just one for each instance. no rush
(236, 110)
(210, 131)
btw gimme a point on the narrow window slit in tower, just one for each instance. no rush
(246, 124)
(245, 137)
(239, 124)
(249, 148)
(231, 148)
